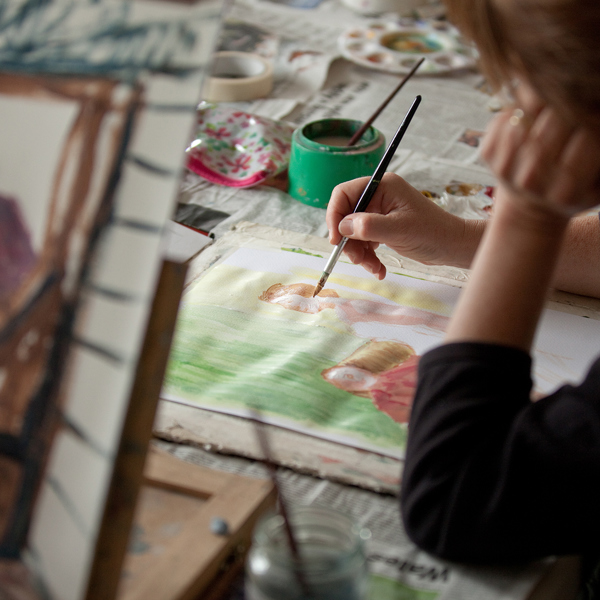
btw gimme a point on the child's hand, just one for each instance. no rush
(540, 157)
(400, 217)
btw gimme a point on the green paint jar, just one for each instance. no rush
(320, 159)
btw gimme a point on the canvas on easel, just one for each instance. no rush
(97, 103)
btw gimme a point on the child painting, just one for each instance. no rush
(491, 477)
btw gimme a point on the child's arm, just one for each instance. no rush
(490, 476)
(511, 274)
(549, 170)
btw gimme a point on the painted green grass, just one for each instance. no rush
(224, 358)
(382, 588)
(301, 251)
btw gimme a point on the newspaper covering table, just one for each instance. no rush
(312, 81)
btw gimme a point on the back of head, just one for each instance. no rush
(554, 44)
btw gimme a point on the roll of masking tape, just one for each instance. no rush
(238, 76)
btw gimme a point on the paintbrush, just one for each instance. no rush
(370, 189)
(281, 502)
(359, 133)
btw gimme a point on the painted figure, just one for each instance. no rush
(384, 371)
(298, 296)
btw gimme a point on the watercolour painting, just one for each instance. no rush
(341, 366)
(97, 104)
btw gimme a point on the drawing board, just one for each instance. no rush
(341, 366)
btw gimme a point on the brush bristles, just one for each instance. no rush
(318, 288)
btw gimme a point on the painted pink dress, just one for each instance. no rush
(394, 390)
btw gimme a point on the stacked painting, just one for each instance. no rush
(97, 103)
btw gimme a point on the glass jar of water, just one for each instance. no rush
(331, 565)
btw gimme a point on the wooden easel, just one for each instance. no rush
(172, 553)
(177, 555)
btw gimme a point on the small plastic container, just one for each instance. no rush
(333, 565)
(319, 160)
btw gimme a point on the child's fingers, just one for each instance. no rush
(363, 253)
(537, 157)
(342, 202)
(505, 135)
(578, 172)
(545, 159)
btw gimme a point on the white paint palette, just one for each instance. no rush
(397, 46)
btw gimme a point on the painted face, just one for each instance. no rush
(298, 297)
(350, 378)
(298, 303)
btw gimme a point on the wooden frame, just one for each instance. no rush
(176, 556)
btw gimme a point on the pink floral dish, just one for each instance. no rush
(236, 148)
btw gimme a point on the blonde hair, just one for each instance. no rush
(554, 44)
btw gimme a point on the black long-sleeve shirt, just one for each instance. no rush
(491, 477)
